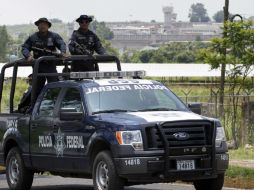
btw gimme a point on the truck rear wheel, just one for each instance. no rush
(210, 184)
(18, 177)
(105, 176)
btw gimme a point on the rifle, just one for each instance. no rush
(83, 50)
(47, 51)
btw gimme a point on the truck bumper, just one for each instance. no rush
(153, 168)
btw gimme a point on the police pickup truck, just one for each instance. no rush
(115, 128)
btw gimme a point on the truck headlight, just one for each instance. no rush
(133, 138)
(220, 134)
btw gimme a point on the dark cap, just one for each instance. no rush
(43, 20)
(84, 17)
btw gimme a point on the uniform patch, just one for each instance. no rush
(50, 42)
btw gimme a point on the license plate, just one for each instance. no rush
(183, 165)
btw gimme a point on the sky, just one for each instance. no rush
(27, 11)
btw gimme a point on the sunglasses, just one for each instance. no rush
(84, 21)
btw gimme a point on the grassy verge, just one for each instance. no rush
(241, 154)
(240, 172)
(239, 177)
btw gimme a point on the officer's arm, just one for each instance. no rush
(72, 46)
(98, 47)
(27, 47)
(60, 44)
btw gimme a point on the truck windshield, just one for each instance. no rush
(132, 98)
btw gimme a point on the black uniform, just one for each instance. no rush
(51, 41)
(25, 102)
(85, 43)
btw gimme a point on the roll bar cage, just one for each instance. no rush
(35, 65)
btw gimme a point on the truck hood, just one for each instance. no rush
(140, 118)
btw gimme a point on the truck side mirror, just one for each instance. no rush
(70, 114)
(195, 108)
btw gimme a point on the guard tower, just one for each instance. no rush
(169, 18)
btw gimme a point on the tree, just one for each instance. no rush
(105, 34)
(185, 57)
(102, 30)
(219, 16)
(238, 42)
(109, 49)
(4, 39)
(198, 13)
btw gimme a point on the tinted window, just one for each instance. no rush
(72, 99)
(48, 103)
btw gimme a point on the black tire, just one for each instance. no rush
(105, 176)
(210, 184)
(18, 177)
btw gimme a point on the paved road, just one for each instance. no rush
(59, 183)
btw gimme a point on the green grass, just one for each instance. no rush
(240, 172)
(21, 87)
(242, 154)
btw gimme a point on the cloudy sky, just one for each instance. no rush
(25, 11)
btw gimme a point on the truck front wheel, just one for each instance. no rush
(210, 184)
(18, 177)
(105, 176)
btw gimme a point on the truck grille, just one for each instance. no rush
(180, 134)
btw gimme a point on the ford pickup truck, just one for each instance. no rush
(115, 128)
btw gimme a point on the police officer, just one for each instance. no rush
(84, 42)
(24, 104)
(43, 39)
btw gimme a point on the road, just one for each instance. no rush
(59, 183)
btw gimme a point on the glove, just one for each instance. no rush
(30, 59)
(78, 51)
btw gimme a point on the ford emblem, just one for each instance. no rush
(181, 136)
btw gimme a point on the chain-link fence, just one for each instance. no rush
(237, 116)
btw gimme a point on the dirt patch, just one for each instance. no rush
(2, 169)
(239, 183)
(242, 163)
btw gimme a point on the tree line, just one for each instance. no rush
(175, 52)
(4, 40)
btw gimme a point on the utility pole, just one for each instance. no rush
(223, 65)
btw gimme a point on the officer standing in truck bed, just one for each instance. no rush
(46, 40)
(84, 42)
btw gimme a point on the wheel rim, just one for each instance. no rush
(102, 178)
(13, 170)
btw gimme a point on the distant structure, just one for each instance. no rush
(169, 18)
(139, 35)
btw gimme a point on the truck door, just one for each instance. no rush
(42, 137)
(71, 123)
